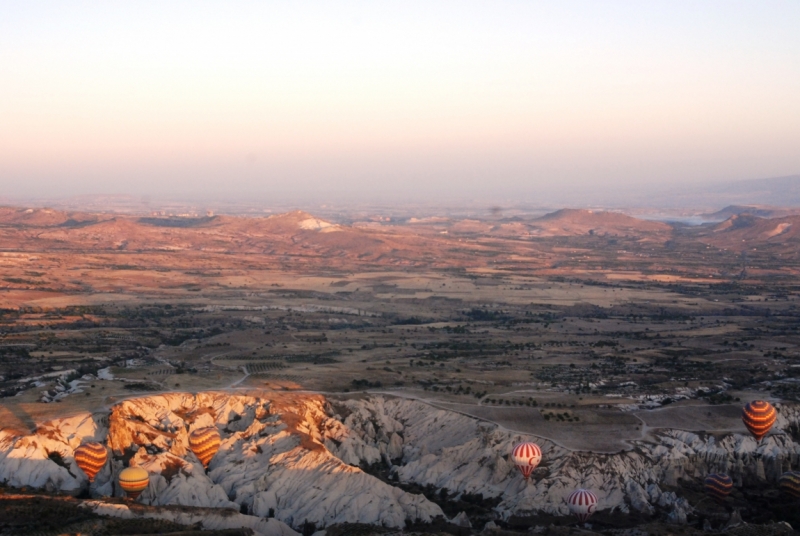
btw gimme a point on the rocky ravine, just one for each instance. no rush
(288, 459)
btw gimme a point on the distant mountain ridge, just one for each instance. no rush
(701, 195)
(762, 211)
(299, 236)
(771, 192)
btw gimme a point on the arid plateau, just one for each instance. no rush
(371, 375)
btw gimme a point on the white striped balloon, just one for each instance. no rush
(526, 456)
(582, 503)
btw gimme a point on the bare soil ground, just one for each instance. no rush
(598, 431)
(696, 418)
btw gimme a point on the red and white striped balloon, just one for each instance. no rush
(582, 503)
(526, 456)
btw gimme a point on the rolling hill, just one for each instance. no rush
(753, 231)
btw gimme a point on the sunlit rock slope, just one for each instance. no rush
(272, 462)
(450, 450)
(294, 459)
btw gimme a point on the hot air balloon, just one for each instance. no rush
(758, 417)
(526, 456)
(91, 457)
(789, 483)
(133, 481)
(718, 486)
(204, 442)
(582, 503)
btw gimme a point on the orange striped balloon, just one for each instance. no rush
(204, 442)
(133, 481)
(718, 486)
(789, 483)
(758, 417)
(91, 457)
(526, 456)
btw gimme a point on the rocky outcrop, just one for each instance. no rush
(272, 462)
(44, 459)
(449, 450)
(296, 459)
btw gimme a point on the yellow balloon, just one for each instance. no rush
(133, 481)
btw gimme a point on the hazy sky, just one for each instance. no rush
(381, 98)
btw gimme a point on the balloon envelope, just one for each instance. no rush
(718, 486)
(758, 417)
(789, 483)
(204, 442)
(582, 503)
(91, 457)
(133, 481)
(526, 456)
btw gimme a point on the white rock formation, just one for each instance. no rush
(314, 224)
(450, 450)
(44, 459)
(272, 460)
(461, 520)
(295, 458)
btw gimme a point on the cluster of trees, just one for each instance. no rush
(513, 402)
(561, 417)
